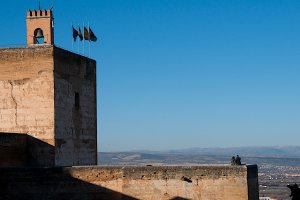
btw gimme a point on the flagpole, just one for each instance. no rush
(83, 39)
(89, 41)
(78, 43)
(72, 37)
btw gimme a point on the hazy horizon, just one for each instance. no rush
(202, 148)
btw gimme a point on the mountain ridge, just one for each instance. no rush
(255, 151)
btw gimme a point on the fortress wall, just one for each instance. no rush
(75, 126)
(27, 94)
(38, 86)
(114, 183)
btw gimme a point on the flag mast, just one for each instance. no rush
(83, 38)
(78, 41)
(87, 34)
(89, 40)
(72, 38)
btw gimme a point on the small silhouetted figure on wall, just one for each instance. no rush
(238, 160)
(295, 191)
(233, 161)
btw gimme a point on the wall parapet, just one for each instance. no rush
(219, 182)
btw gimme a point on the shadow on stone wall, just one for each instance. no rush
(53, 183)
(179, 198)
(39, 153)
(13, 149)
(27, 172)
(22, 150)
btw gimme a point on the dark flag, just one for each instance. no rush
(80, 34)
(75, 33)
(92, 36)
(86, 34)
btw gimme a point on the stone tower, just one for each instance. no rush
(47, 101)
(40, 25)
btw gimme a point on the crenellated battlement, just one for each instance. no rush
(39, 13)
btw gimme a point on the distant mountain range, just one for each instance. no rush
(276, 154)
(272, 151)
(259, 151)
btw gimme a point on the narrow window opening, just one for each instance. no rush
(77, 102)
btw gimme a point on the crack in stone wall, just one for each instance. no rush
(35, 103)
(15, 101)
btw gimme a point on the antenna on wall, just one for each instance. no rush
(52, 4)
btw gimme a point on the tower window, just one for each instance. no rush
(77, 102)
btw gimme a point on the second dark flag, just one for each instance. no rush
(86, 34)
(80, 34)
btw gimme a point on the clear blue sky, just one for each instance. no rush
(185, 73)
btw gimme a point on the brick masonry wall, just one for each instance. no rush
(39, 21)
(114, 183)
(75, 127)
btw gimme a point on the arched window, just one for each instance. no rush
(38, 36)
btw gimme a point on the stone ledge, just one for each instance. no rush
(203, 182)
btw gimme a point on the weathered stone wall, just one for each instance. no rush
(27, 94)
(114, 183)
(37, 97)
(75, 127)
